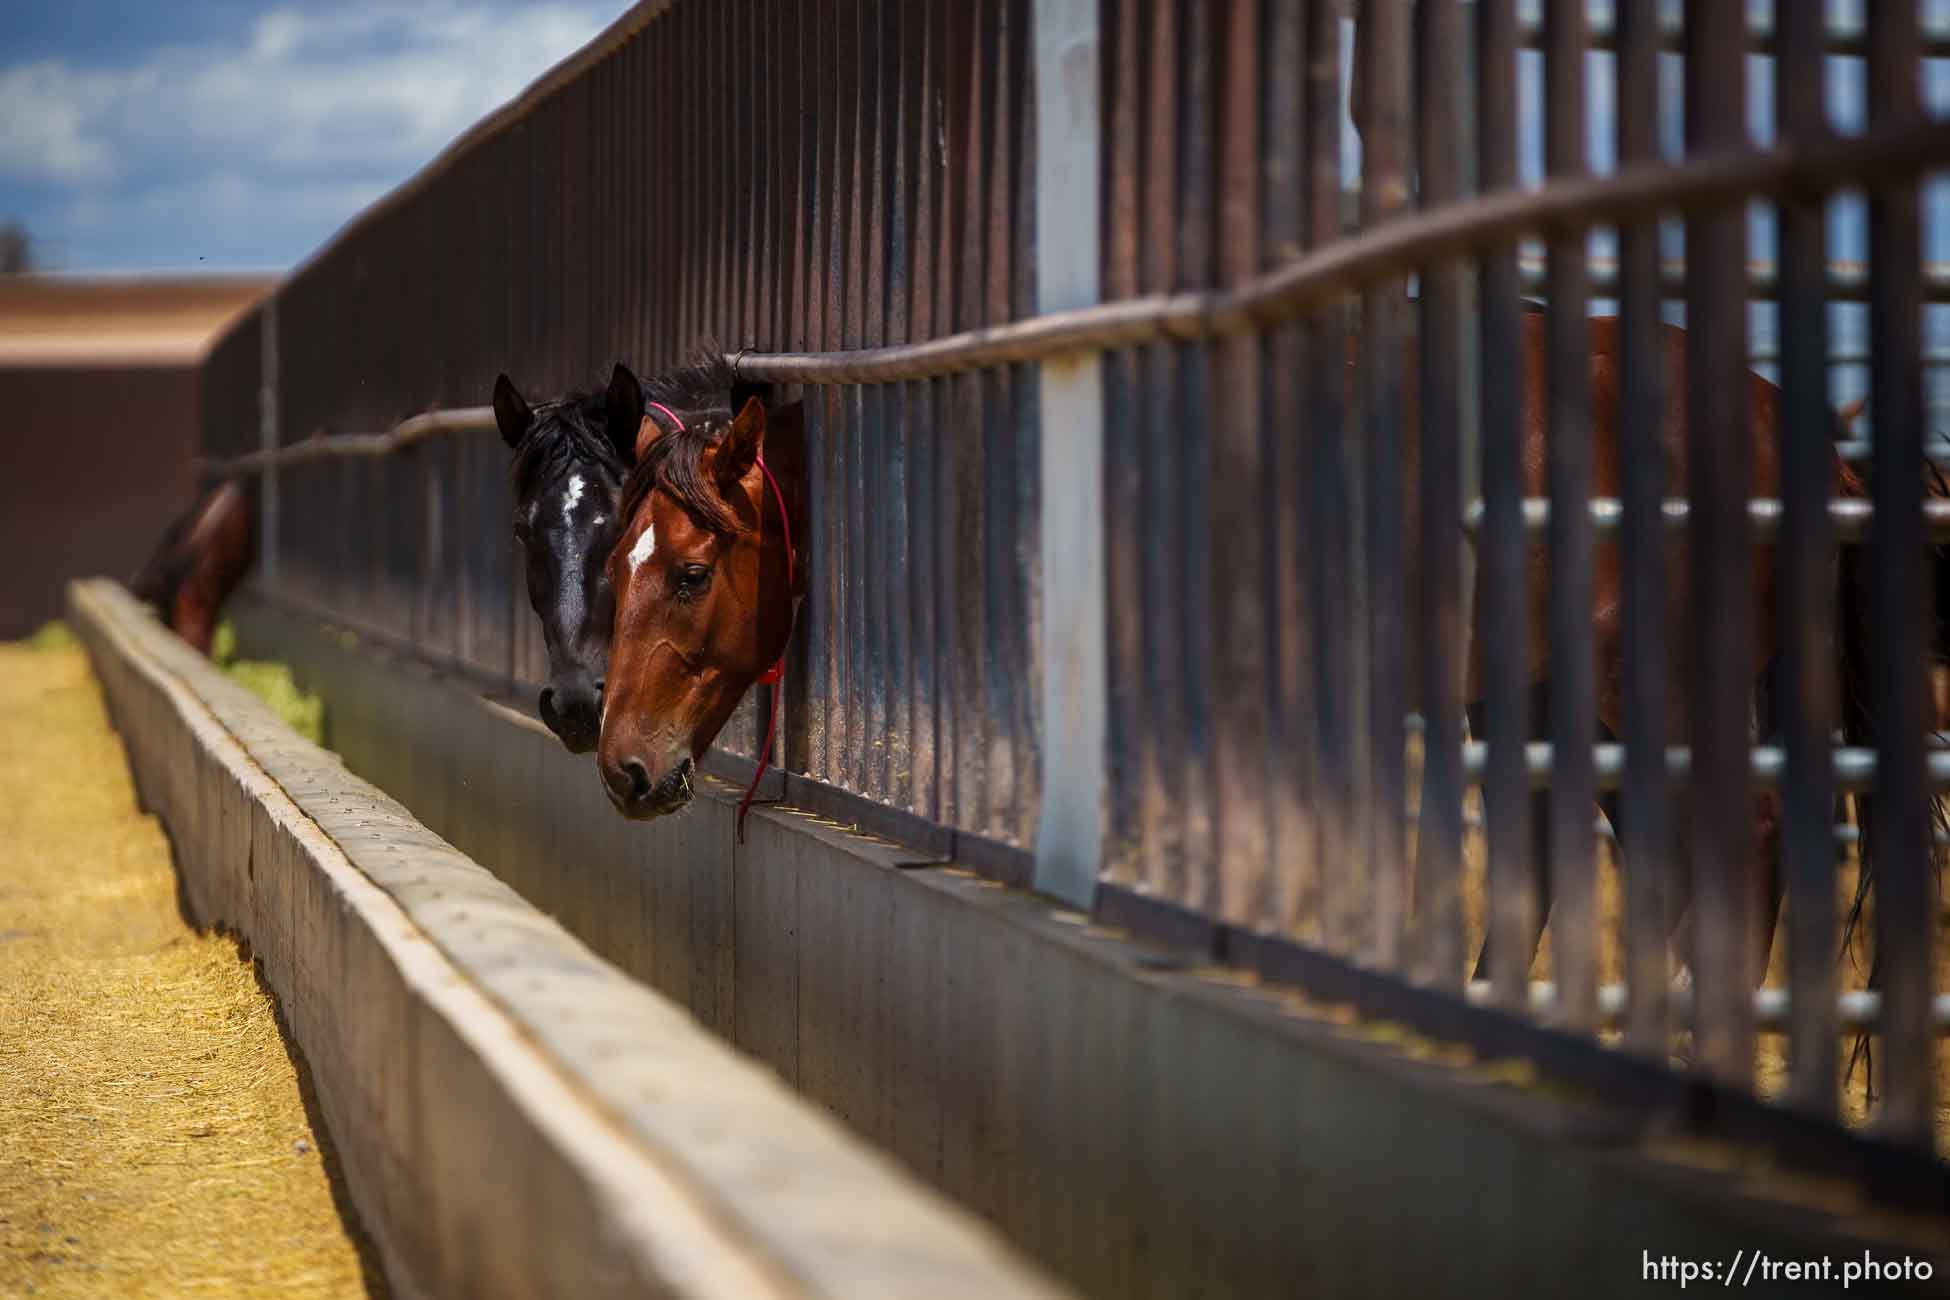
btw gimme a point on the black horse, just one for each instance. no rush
(571, 456)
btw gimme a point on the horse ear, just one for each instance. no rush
(511, 411)
(742, 443)
(623, 410)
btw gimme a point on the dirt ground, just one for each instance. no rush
(157, 1133)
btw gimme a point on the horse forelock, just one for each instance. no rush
(699, 392)
(566, 433)
(676, 463)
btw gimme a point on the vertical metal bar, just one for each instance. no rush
(1725, 964)
(920, 129)
(969, 450)
(270, 534)
(1025, 645)
(1195, 60)
(898, 89)
(1121, 30)
(1906, 897)
(1283, 187)
(949, 42)
(1330, 535)
(1649, 877)
(1069, 832)
(1236, 543)
(798, 131)
(1000, 566)
(871, 173)
(1806, 553)
(1382, 52)
(854, 76)
(1569, 462)
(1161, 751)
(822, 332)
(1438, 858)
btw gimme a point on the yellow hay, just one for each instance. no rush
(156, 1137)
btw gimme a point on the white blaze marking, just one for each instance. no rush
(641, 551)
(575, 495)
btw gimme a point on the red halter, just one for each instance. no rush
(776, 673)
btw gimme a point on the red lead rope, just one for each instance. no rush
(773, 675)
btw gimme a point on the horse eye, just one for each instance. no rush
(692, 578)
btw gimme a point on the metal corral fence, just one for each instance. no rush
(1120, 585)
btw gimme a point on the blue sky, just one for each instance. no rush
(142, 134)
(242, 133)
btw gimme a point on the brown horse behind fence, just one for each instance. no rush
(1607, 607)
(200, 560)
(706, 591)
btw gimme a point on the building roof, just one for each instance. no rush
(161, 318)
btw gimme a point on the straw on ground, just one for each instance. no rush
(156, 1136)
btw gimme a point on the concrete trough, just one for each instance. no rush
(516, 1116)
(1144, 1129)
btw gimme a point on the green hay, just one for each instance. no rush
(53, 635)
(273, 683)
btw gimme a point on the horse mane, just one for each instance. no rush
(701, 384)
(567, 431)
(701, 392)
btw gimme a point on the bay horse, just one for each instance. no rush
(1857, 722)
(571, 456)
(1607, 609)
(202, 557)
(706, 590)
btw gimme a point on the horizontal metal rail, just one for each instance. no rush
(407, 433)
(1839, 38)
(1851, 517)
(1847, 281)
(1846, 836)
(1854, 767)
(1706, 181)
(1857, 1011)
(1311, 280)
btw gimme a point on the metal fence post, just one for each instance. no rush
(267, 437)
(1070, 831)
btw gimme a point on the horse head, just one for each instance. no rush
(570, 459)
(705, 588)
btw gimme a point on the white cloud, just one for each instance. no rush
(45, 117)
(289, 120)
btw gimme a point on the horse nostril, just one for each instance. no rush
(639, 777)
(548, 703)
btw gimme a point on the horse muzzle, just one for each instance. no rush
(639, 796)
(572, 707)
